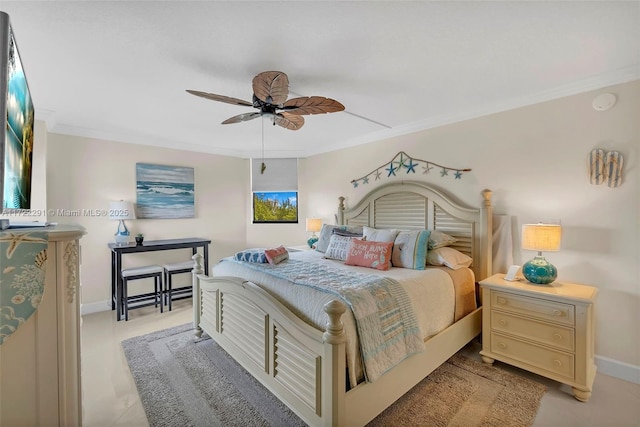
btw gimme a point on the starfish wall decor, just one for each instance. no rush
(403, 162)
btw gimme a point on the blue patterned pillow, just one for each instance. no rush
(251, 255)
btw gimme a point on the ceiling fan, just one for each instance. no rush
(270, 91)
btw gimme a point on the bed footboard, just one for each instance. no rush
(303, 366)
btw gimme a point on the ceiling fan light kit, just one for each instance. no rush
(270, 92)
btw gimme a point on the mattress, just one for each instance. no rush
(439, 297)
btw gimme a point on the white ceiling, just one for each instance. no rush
(119, 70)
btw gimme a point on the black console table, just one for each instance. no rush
(118, 250)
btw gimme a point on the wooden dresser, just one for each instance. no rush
(40, 367)
(545, 329)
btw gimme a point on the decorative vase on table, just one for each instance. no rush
(139, 240)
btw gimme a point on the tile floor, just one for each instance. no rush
(110, 397)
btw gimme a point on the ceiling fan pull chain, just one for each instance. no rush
(262, 166)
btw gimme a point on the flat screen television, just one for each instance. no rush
(17, 112)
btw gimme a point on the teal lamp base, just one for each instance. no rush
(312, 241)
(539, 271)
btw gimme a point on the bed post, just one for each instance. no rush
(341, 211)
(195, 292)
(486, 238)
(334, 379)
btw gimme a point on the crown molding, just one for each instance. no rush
(621, 76)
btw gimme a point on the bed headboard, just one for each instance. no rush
(410, 205)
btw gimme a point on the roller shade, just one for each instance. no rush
(280, 175)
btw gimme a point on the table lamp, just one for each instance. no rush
(120, 211)
(540, 237)
(313, 225)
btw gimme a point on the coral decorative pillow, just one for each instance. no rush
(276, 255)
(369, 254)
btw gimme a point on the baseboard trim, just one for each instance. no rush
(617, 369)
(94, 307)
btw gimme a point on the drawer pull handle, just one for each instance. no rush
(502, 301)
(557, 362)
(557, 336)
(502, 345)
(503, 322)
(557, 312)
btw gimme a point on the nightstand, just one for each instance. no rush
(545, 329)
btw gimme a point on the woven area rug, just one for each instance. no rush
(184, 381)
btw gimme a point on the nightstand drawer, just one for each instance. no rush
(545, 333)
(557, 362)
(534, 307)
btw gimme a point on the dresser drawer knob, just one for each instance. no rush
(503, 322)
(502, 345)
(502, 301)
(557, 337)
(557, 312)
(557, 362)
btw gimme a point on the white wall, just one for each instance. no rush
(535, 161)
(86, 174)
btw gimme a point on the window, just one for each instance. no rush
(274, 191)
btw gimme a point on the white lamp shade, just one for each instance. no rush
(121, 210)
(541, 237)
(314, 224)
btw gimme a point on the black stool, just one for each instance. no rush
(142, 300)
(169, 271)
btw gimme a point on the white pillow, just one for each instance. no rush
(379, 235)
(338, 247)
(450, 257)
(438, 239)
(327, 231)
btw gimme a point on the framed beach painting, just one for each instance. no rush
(164, 191)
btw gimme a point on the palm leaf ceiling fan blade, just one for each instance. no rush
(312, 105)
(221, 98)
(270, 92)
(271, 87)
(288, 121)
(242, 118)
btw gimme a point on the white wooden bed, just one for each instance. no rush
(306, 367)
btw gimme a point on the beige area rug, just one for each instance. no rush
(186, 382)
(465, 393)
